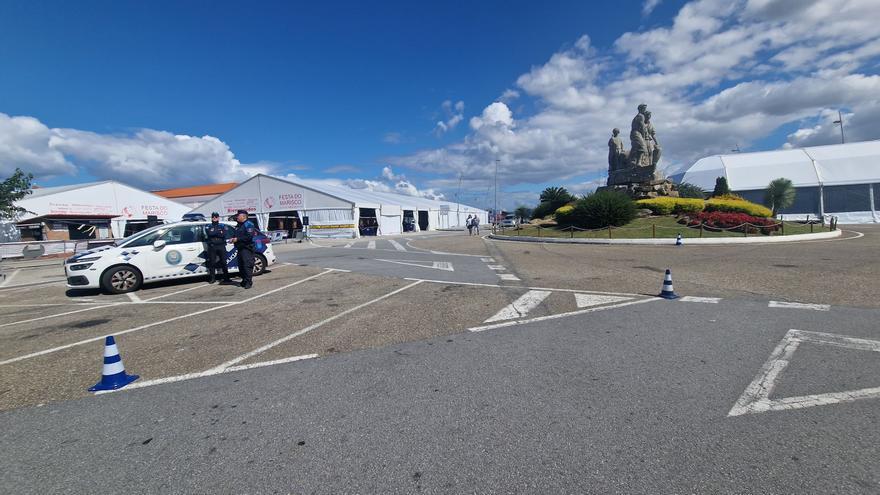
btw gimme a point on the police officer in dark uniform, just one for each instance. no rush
(216, 248)
(243, 238)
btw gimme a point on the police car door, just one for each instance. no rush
(179, 252)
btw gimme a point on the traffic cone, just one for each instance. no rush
(113, 376)
(668, 292)
(678, 240)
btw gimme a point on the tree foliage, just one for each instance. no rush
(14, 188)
(523, 212)
(721, 187)
(688, 190)
(779, 194)
(551, 199)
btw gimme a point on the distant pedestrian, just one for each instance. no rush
(243, 239)
(470, 226)
(217, 234)
(476, 225)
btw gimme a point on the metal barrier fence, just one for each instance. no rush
(36, 249)
(745, 228)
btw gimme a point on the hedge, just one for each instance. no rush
(738, 206)
(734, 221)
(667, 205)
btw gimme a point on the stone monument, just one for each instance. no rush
(635, 172)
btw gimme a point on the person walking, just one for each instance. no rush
(243, 239)
(476, 224)
(217, 234)
(469, 224)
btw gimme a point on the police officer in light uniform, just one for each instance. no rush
(217, 234)
(243, 238)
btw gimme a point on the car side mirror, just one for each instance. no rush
(157, 245)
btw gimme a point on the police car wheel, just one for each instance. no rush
(259, 264)
(121, 279)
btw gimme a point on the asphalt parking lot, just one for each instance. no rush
(445, 363)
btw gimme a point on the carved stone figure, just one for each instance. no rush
(616, 153)
(654, 149)
(638, 145)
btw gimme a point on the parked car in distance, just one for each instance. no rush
(509, 221)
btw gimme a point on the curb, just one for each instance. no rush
(671, 241)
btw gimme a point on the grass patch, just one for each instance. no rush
(666, 227)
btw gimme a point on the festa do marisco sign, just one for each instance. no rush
(281, 201)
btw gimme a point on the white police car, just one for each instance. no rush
(165, 252)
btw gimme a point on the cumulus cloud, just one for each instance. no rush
(722, 73)
(147, 158)
(453, 115)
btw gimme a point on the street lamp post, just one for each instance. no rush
(839, 122)
(496, 191)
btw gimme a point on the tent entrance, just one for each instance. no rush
(423, 220)
(368, 224)
(409, 221)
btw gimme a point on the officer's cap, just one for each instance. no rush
(215, 215)
(242, 212)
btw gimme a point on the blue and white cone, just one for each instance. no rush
(668, 292)
(678, 239)
(113, 376)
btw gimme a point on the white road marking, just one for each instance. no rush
(349, 245)
(30, 320)
(487, 260)
(8, 278)
(508, 276)
(199, 286)
(201, 374)
(588, 300)
(434, 265)
(552, 289)
(756, 398)
(309, 328)
(707, 300)
(496, 267)
(155, 323)
(46, 305)
(134, 297)
(371, 245)
(396, 245)
(521, 307)
(796, 305)
(562, 315)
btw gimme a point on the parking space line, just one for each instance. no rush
(496, 267)
(309, 328)
(508, 276)
(46, 305)
(521, 307)
(796, 305)
(31, 320)
(371, 245)
(200, 286)
(155, 323)
(134, 297)
(562, 315)
(487, 260)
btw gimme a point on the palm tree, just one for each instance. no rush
(523, 212)
(779, 194)
(555, 196)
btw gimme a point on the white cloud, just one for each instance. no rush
(392, 137)
(24, 143)
(453, 115)
(648, 6)
(723, 73)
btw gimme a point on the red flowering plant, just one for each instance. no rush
(737, 222)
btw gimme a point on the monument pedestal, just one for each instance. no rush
(640, 183)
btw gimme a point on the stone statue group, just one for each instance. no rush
(644, 149)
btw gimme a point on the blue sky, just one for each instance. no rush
(353, 92)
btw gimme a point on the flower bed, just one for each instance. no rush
(736, 222)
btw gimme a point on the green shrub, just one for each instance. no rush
(666, 205)
(542, 210)
(688, 190)
(721, 187)
(597, 210)
(737, 206)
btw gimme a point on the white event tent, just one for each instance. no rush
(111, 208)
(842, 180)
(336, 211)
